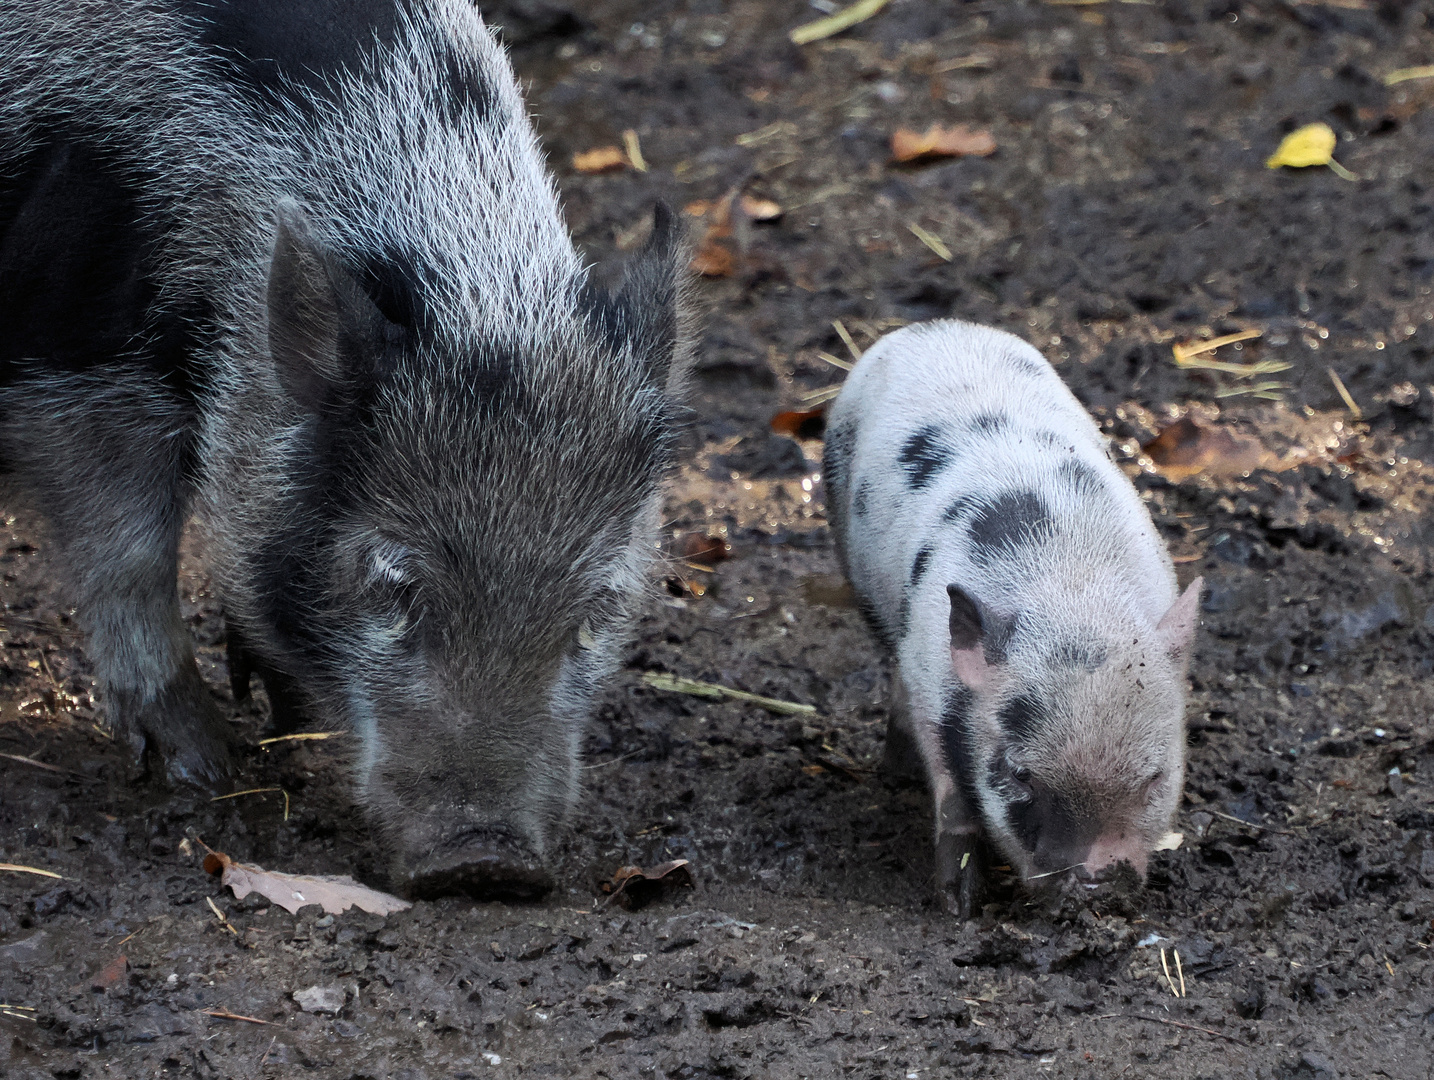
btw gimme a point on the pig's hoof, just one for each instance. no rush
(492, 866)
(180, 734)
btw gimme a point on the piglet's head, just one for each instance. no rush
(1074, 742)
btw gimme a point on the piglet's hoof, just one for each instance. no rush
(484, 867)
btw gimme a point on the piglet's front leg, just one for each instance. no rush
(959, 862)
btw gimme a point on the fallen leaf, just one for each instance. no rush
(1187, 448)
(112, 974)
(1310, 145)
(801, 423)
(958, 140)
(760, 209)
(600, 160)
(837, 22)
(714, 260)
(701, 548)
(336, 894)
(1170, 841)
(633, 887)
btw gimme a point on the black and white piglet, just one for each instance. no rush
(1040, 639)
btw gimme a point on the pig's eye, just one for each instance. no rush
(1022, 776)
(388, 564)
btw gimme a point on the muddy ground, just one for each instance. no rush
(1126, 208)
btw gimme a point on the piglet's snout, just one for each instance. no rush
(1110, 851)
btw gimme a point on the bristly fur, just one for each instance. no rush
(999, 540)
(430, 474)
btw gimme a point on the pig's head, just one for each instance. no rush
(1073, 738)
(466, 521)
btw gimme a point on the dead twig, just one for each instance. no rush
(47, 768)
(1173, 1023)
(18, 869)
(223, 1014)
(678, 685)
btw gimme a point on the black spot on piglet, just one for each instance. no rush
(1007, 522)
(923, 456)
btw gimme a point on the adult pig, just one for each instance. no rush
(300, 266)
(1008, 564)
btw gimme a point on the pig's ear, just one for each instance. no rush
(648, 307)
(303, 311)
(314, 307)
(1177, 626)
(968, 631)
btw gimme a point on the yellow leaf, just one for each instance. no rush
(1312, 144)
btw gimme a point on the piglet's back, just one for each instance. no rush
(964, 435)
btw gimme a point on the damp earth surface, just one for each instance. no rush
(1127, 208)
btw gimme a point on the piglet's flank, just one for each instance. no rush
(1040, 640)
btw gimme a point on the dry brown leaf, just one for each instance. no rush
(601, 159)
(633, 887)
(705, 549)
(714, 260)
(760, 209)
(1187, 448)
(958, 140)
(291, 892)
(801, 423)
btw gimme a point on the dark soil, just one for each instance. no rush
(1126, 208)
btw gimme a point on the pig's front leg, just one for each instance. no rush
(958, 848)
(918, 744)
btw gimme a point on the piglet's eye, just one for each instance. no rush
(1022, 775)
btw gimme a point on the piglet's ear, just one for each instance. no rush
(303, 311)
(1177, 626)
(968, 653)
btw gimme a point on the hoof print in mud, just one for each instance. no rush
(491, 868)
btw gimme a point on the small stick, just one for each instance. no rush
(833, 361)
(220, 916)
(634, 150)
(1181, 971)
(17, 868)
(1349, 402)
(50, 768)
(1174, 992)
(39, 765)
(835, 24)
(1399, 75)
(246, 791)
(221, 1014)
(269, 1050)
(1195, 348)
(1173, 1023)
(1248, 824)
(931, 240)
(302, 736)
(5, 1011)
(677, 685)
(846, 338)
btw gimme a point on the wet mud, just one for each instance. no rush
(1126, 208)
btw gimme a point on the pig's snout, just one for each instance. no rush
(486, 864)
(1108, 852)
